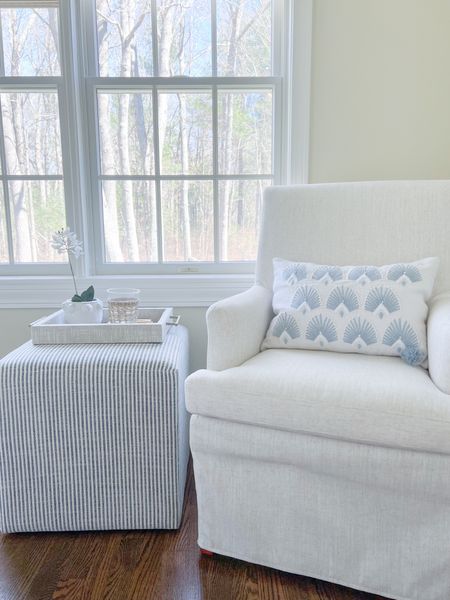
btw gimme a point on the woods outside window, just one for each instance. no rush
(178, 122)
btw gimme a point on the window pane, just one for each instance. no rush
(126, 133)
(185, 133)
(184, 37)
(4, 254)
(32, 136)
(244, 37)
(239, 215)
(124, 33)
(37, 211)
(30, 41)
(245, 132)
(129, 220)
(188, 223)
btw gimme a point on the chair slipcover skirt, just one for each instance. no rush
(331, 509)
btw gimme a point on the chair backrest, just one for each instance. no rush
(361, 223)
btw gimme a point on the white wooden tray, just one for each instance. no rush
(53, 330)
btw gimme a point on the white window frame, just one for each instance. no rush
(62, 85)
(93, 83)
(44, 285)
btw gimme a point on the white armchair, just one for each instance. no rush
(438, 331)
(330, 465)
(237, 326)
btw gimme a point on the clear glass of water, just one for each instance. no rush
(123, 305)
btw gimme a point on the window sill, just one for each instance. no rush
(156, 290)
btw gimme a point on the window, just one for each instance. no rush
(32, 191)
(177, 122)
(183, 96)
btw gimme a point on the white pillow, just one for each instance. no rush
(364, 309)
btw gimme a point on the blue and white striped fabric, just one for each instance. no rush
(93, 436)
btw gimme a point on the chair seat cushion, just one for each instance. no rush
(366, 399)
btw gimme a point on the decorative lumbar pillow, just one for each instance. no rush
(364, 309)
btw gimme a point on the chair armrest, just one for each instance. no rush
(438, 332)
(236, 327)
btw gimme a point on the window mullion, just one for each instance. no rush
(2, 58)
(177, 82)
(30, 83)
(216, 213)
(69, 118)
(6, 191)
(88, 72)
(156, 153)
(214, 37)
(176, 177)
(155, 38)
(28, 177)
(159, 228)
(95, 192)
(215, 140)
(87, 37)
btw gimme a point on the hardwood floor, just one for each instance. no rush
(141, 565)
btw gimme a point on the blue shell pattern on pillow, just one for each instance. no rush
(366, 309)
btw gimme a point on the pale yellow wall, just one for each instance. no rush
(380, 106)
(14, 326)
(380, 109)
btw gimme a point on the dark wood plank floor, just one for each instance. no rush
(141, 565)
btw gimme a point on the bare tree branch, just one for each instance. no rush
(129, 37)
(243, 31)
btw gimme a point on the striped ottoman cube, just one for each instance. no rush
(93, 436)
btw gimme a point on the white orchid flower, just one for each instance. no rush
(65, 241)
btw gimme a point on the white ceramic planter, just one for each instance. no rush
(83, 312)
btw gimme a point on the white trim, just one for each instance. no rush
(175, 268)
(159, 290)
(298, 74)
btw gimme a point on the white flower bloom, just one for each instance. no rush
(65, 240)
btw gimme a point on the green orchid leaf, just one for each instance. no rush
(88, 295)
(76, 298)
